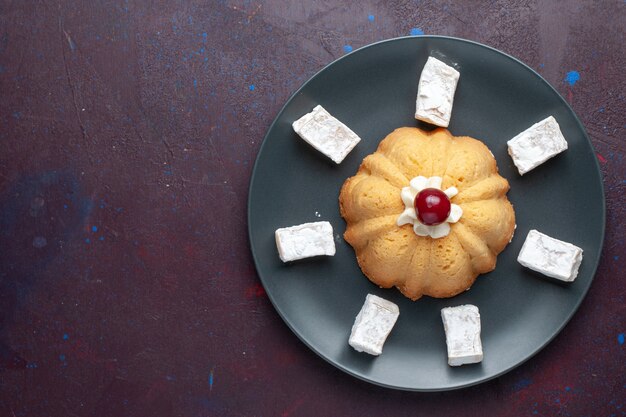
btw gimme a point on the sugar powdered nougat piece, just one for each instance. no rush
(462, 327)
(435, 93)
(326, 134)
(305, 240)
(536, 145)
(551, 257)
(373, 324)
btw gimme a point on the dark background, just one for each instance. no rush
(128, 132)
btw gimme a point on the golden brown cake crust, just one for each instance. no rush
(391, 255)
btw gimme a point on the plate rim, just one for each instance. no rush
(478, 381)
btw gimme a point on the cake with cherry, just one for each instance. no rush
(427, 212)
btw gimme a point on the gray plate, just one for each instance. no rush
(373, 90)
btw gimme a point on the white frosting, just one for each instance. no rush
(326, 134)
(305, 240)
(462, 327)
(409, 216)
(551, 257)
(536, 145)
(435, 93)
(373, 324)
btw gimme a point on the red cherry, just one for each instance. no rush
(432, 206)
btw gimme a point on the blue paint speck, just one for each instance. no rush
(211, 380)
(371, 18)
(251, 87)
(620, 338)
(39, 242)
(101, 238)
(195, 83)
(94, 228)
(87, 240)
(572, 77)
(347, 49)
(65, 206)
(521, 384)
(616, 258)
(568, 389)
(62, 358)
(416, 32)
(66, 336)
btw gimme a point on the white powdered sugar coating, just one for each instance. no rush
(305, 240)
(435, 92)
(326, 134)
(462, 327)
(536, 145)
(551, 257)
(373, 324)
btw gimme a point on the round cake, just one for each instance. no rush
(393, 246)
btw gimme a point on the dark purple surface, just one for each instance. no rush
(128, 131)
